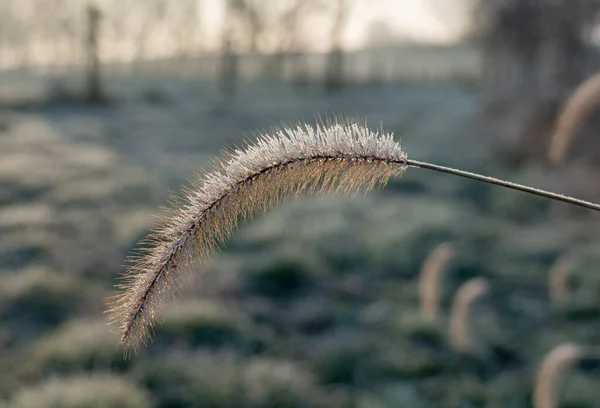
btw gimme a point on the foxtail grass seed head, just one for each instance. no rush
(575, 110)
(557, 360)
(335, 157)
(558, 281)
(430, 279)
(464, 300)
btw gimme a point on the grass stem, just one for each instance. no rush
(507, 184)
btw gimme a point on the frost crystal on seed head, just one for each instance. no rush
(337, 157)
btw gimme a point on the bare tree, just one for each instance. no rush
(71, 39)
(248, 12)
(289, 39)
(287, 35)
(155, 14)
(22, 37)
(272, 26)
(184, 26)
(94, 91)
(6, 30)
(334, 71)
(228, 67)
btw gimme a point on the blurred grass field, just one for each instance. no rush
(314, 304)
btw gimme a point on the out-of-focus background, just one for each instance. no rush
(433, 292)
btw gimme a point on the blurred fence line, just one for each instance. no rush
(397, 64)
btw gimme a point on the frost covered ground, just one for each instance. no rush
(314, 303)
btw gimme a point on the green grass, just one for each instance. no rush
(79, 345)
(224, 380)
(97, 391)
(202, 324)
(38, 299)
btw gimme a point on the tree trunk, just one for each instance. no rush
(94, 80)
(228, 71)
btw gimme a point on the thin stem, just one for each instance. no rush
(507, 184)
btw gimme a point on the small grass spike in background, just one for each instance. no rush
(576, 109)
(558, 280)
(557, 360)
(429, 279)
(460, 313)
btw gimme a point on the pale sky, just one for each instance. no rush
(432, 21)
(436, 21)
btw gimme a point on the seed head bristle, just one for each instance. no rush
(337, 157)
